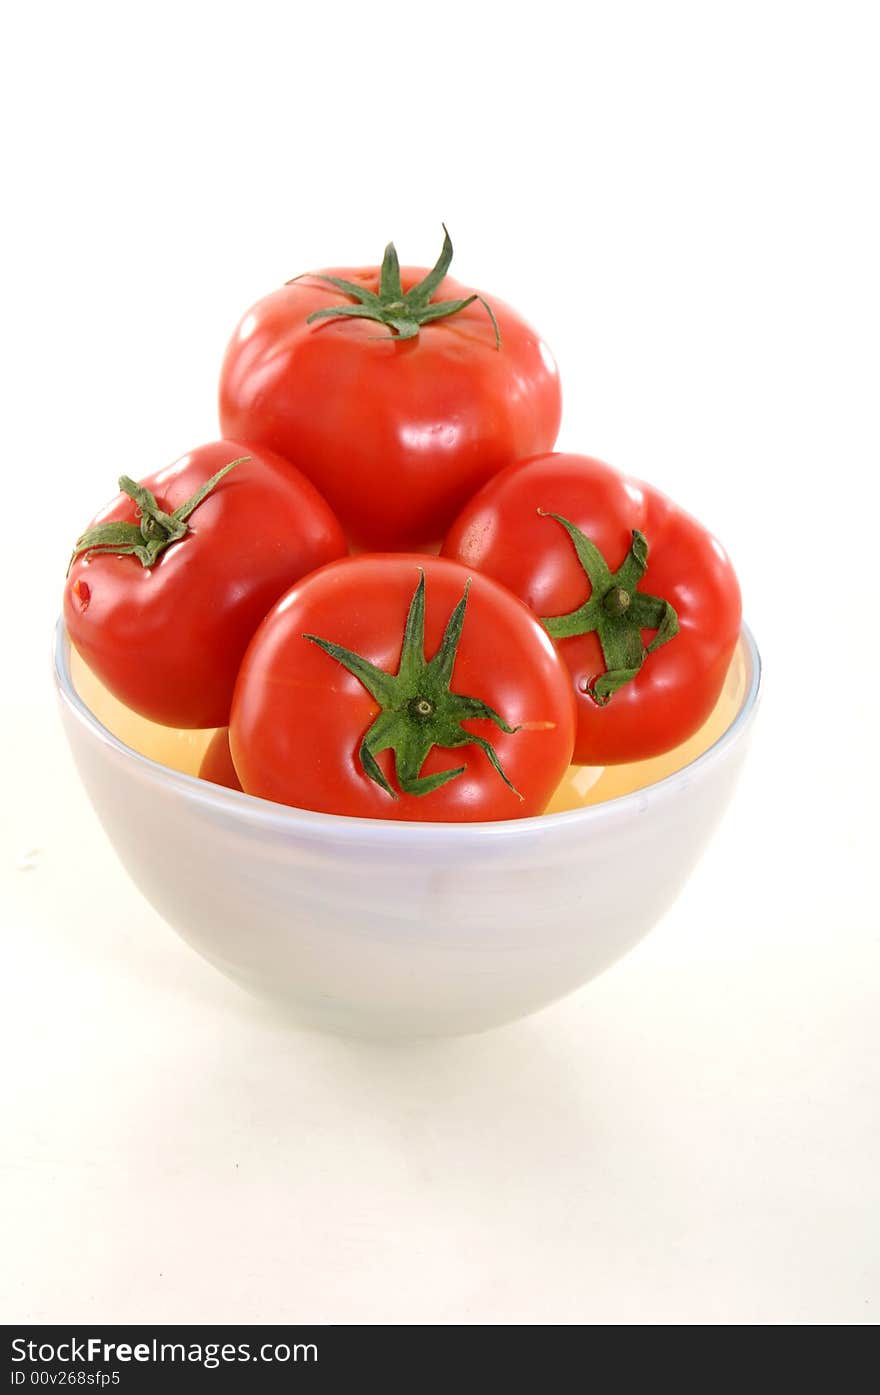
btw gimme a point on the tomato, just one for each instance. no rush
(649, 651)
(164, 624)
(396, 420)
(402, 687)
(217, 764)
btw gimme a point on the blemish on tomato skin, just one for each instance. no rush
(82, 593)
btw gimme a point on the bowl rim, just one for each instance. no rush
(286, 818)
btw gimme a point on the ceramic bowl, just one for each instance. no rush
(364, 927)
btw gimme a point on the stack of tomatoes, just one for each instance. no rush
(283, 584)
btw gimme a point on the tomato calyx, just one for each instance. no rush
(418, 709)
(404, 312)
(615, 610)
(156, 530)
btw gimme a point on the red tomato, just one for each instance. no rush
(634, 700)
(217, 764)
(337, 676)
(397, 432)
(167, 638)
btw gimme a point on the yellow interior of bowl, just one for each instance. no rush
(582, 785)
(591, 784)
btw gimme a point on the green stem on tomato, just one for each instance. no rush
(616, 611)
(403, 312)
(418, 709)
(147, 539)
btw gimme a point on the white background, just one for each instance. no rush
(684, 199)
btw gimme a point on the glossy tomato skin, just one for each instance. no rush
(298, 716)
(397, 434)
(217, 764)
(501, 533)
(167, 640)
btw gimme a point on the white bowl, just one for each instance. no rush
(402, 929)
